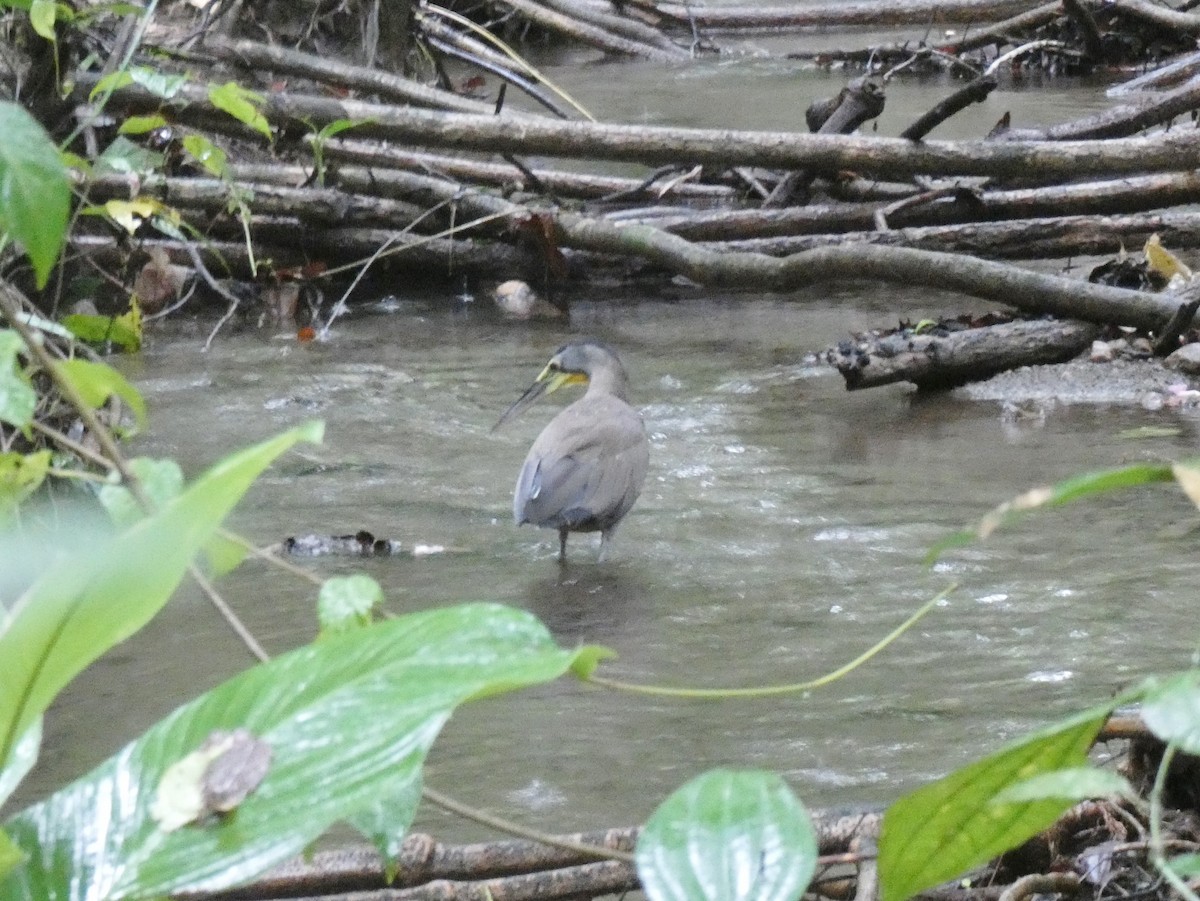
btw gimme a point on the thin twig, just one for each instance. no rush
(478, 816)
(226, 611)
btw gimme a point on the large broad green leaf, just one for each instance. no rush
(35, 195)
(10, 855)
(93, 599)
(385, 820)
(22, 759)
(728, 835)
(348, 720)
(943, 829)
(1172, 711)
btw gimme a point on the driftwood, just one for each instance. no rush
(945, 361)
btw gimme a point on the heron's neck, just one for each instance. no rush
(609, 381)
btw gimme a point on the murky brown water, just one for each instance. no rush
(781, 531)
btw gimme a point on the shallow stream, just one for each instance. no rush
(781, 532)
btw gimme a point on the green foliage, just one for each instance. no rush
(244, 105)
(728, 835)
(949, 826)
(1171, 711)
(20, 476)
(78, 610)
(1071, 784)
(123, 157)
(10, 855)
(346, 603)
(42, 16)
(35, 194)
(17, 397)
(318, 141)
(100, 331)
(161, 480)
(140, 125)
(348, 721)
(97, 382)
(207, 154)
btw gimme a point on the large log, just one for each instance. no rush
(892, 158)
(896, 12)
(946, 361)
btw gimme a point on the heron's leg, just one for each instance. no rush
(604, 536)
(562, 545)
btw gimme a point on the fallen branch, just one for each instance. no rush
(945, 361)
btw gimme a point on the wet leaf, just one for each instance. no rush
(387, 818)
(162, 480)
(939, 831)
(206, 153)
(1071, 784)
(728, 835)
(17, 397)
(346, 603)
(20, 476)
(35, 193)
(21, 761)
(158, 82)
(349, 720)
(73, 613)
(242, 104)
(97, 382)
(130, 214)
(123, 157)
(1171, 710)
(140, 125)
(101, 331)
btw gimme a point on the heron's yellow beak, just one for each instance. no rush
(548, 381)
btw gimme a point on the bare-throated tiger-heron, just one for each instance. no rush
(585, 470)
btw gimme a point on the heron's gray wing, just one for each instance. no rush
(586, 468)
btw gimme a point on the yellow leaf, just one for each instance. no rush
(1163, 261)
(129, 214)
(132, 319)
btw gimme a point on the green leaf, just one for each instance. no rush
(162, 84)
(1065, 492)
(42, 15)
(726, 835)
(23, 757)
(1072, 785)
(140, 125)
(346, 719)
(943, 829)
(386, 819)
(1171, 710)
(97, 382)
(1186, 865)
(10, 855)
(123, 157)
(20, 476)
(162, 480)
(346, 603)
(100, 331)
(17, 397)
(111, 82)
(207, 154)
(242, 104)
(80, 608)
(223, 555)
(35, 194)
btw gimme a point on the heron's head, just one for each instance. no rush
(579, 362)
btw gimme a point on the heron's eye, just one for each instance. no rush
(554, 367)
